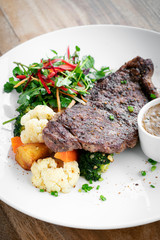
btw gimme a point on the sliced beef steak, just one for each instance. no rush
(92, 127)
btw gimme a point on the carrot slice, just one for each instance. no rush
(68, 156)
(16, 142)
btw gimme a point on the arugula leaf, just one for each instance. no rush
(65, 101)
(105, 68)
(53, 102)
(43, 91)
(8, 87)
(78, 49)
(61, 81)
(87, 62)
(25, 97)
(34, 104)
(99, 74)
(54, 51)
(17, 71)
(12, 81)
(45, 72)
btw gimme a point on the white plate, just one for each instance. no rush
(130, 199)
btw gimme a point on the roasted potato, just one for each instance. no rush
(30, 152)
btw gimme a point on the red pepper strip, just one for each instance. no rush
(68, 63)
(21, 77)
(46, 65)
(65, 67)
(48, 80)
(43, 82)
(80, 85)
(66, 89)
(50, 62)
(53, 68)
(27, 83)
(52, 74)
(64, 61)
(68, 53)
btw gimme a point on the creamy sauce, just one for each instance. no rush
(151, 120)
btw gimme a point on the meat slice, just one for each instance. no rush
(58, 135)
(91, 127)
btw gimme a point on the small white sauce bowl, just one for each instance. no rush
(150, 144)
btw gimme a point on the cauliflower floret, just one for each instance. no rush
(39, 112)
(33, 131)
(34, 122)
(47, 176)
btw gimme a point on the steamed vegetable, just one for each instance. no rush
(93, 164)
(48, 176)
(34, 122)
(68, 156)
(16, 142)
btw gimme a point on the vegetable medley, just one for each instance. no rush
(44, 89)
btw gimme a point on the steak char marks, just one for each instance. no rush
(90, 127)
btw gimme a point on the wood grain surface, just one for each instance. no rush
(21, 20)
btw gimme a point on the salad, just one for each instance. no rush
(44, 90)
(53, 82)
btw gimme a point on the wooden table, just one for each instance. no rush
(21, 20)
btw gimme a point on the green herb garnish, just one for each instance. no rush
(98, 187)
(123, 82)
(86, 187)
(103, 198)
(153, 168)
(152, 186)
(152, 162)
(41, 190)
(153, 96)
(111, 117)
(101, 179)
(143, 173)
(130, 108)
(54, 193)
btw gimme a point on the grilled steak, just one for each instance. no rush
(108, 122)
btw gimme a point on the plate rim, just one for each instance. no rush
(79, 27)
(60, 223)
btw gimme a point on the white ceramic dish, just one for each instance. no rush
(150, 144)
(130, 199)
